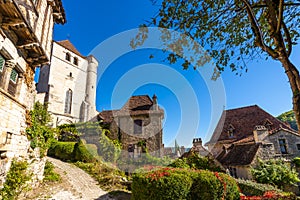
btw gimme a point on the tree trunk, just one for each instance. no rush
(294, 79)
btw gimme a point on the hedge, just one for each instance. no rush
(70, 151)
(251, 188)
(174, 183)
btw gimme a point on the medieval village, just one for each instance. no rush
(56, 142)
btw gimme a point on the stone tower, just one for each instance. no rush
(90, 92)
(68, 85)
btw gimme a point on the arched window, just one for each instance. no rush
(68, 102)
(75, 61)
(68, 57)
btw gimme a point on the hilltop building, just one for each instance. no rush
(25, 42)
(68, 85)
(137, 125)
(245, 134)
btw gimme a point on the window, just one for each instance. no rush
(68, 102)
(75, 61)
(231, 131)
(282, 145)
(232, 171)
(70, 75)
(298, 147)
(2, 63)
(14, 75)
(138, 126)
(68, 57)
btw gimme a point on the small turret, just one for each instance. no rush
(91, 82)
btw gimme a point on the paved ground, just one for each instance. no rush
(75, 184)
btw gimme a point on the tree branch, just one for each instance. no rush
(257, 31)
(288, 38)
(280, 15)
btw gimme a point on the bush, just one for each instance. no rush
(49, 174)
(275, 172)
(16, 179)
(161, 184)
(172, 183)
(80, 153)
(296, 161)
(251, 188)
(180, 163)
(70, 151)
(62, 150)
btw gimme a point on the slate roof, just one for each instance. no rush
(68, 45)
(239, 154)
(243, 121)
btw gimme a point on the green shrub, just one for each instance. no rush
(38, 132)
(206, 186)
(275, 172)
(161, 184)
(15, 180)
(62, 150)
(296, 161)
(70, 151)
(251, 188)
(180, 163)
(173, 183)
(230, 185)
(49, 174)
(80, 153)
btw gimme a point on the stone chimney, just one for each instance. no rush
(154, 99)
(197, 142)
(259, 133)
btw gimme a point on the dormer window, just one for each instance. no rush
(268, 124)
(231, 131)
(75, 61)
(68, 56)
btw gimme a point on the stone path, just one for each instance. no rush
(75, 184)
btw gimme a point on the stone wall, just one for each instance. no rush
(291, 139)
(122, 129)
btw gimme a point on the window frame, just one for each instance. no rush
(283, 145)
(138, 127)
(16, 76)
(68, 101)
(68, 57)
(75, 61)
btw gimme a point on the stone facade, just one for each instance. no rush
(68, 85)
(137, 125)
(245, 134)
(25, 42)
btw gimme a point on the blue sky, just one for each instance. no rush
(91, 22)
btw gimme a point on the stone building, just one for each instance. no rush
(245, 134)
(137, 125)
(25, 42)
(68, 85)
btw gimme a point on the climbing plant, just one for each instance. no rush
(39, 132)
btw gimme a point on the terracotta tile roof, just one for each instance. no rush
(243, 121)
(106, 116)
(239, 154)
(136, 105)
(68, 45)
